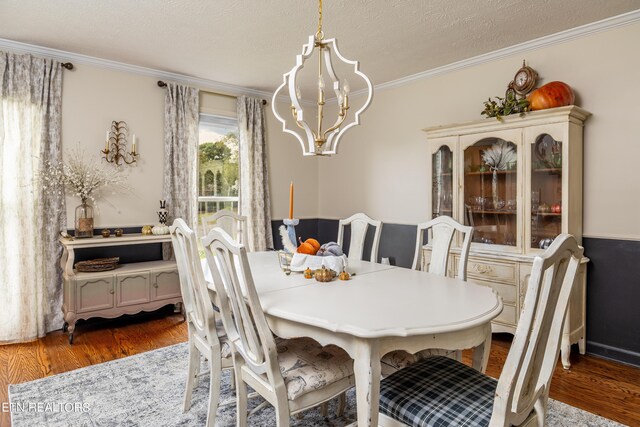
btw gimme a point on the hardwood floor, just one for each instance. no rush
(606, 388)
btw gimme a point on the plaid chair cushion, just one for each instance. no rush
(438, 392)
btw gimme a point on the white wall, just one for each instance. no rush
(382, 165)
(93, 97)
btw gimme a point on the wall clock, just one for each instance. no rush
(524, 81)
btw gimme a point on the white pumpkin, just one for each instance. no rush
(160, 229)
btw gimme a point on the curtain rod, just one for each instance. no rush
(163, 84)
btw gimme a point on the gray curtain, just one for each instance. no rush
(181, 116)
(254, 177)
(30, 218)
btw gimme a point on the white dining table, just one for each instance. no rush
(381, 309)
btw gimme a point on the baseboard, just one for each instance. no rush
(613, 353)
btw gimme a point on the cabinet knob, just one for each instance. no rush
(155, 285)
(112, 291)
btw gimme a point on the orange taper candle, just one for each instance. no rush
(291, 201)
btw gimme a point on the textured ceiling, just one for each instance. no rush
(251, 43)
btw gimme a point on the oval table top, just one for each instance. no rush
(379, 301)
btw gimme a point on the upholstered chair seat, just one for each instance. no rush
(307, 366)
(437, 392)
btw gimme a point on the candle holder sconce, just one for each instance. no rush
(115, 149)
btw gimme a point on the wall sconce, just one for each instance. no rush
(115, 149)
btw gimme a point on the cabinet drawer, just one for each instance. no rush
(94, 294)
(491, 270)
(132, 288)
(507, 292)
(508, 315)
(165, 284)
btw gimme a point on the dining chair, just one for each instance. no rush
(443, 392)
(443, 229)
(235, 225)
(359, 224)
(292, 375)
(206, 334)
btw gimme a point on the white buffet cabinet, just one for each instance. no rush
(129, 289)
(516, 206)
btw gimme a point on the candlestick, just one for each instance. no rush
(291, 200)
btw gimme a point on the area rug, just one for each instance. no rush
(147, 389)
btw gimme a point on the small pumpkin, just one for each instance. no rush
(308, 274)
(314, 243)
(330, 249)
(160, 229)
(324, 274)
(344, 275)
(306, 248)
(551, 95)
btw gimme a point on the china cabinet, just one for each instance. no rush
(518, 182)
(129, 289)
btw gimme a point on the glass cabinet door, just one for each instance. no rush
(546, 191)
(442, 179)
(491, 191)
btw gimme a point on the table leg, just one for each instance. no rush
(481, 353)
(367, 375)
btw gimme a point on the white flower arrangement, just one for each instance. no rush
(82, 177)
(499, 156)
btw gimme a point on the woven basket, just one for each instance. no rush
(98, 264)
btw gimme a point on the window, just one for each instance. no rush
(218, 178)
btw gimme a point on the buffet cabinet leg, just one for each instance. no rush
(69, 325)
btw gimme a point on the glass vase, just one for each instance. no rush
(84, 221)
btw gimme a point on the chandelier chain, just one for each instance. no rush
(319, 33)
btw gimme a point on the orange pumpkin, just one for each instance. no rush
(314, 243)
(306, 248)
(551, 95)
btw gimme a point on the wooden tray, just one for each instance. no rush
(98, 264)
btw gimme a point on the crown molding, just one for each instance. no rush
(76, 58)
(541, 42)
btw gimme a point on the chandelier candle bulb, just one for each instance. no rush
(133, 144)
(106, 145)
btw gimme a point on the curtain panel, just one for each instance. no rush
(30, 218)
(255, 202)
(181, 117)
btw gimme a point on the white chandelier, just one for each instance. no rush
(320, 142)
